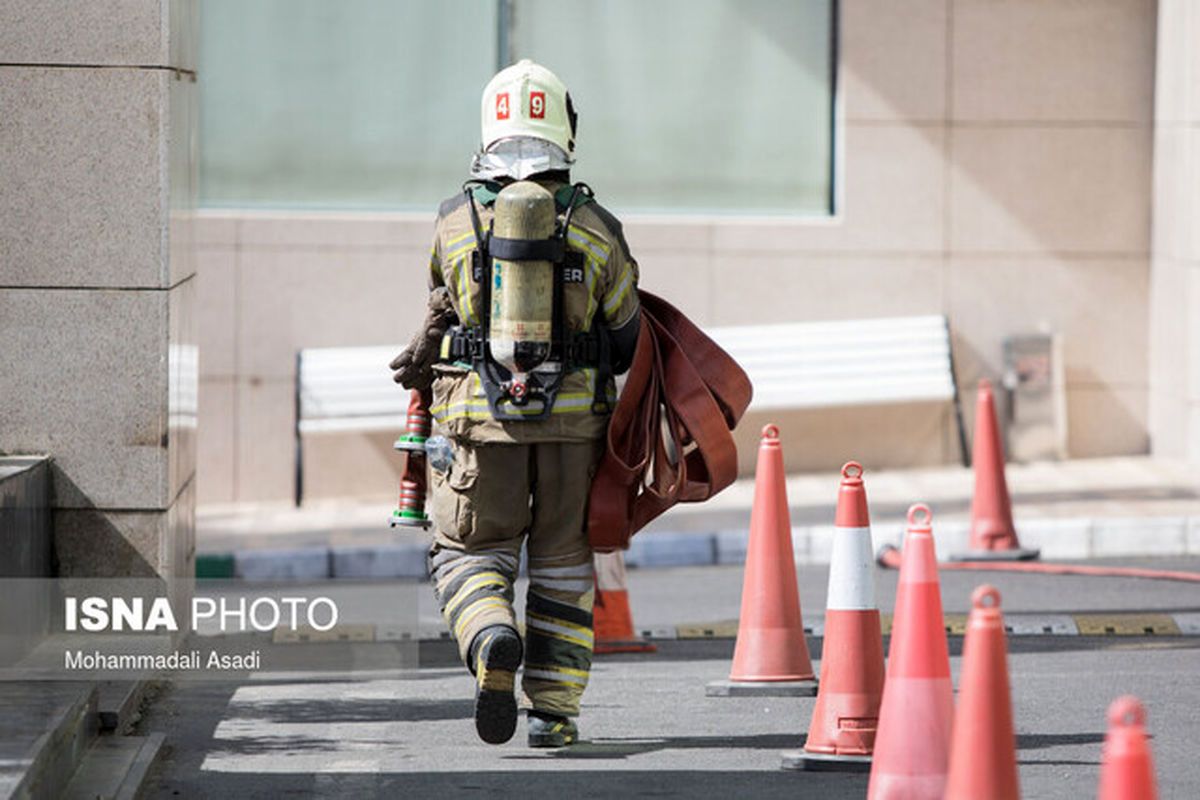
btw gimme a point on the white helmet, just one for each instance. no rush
(528, 100)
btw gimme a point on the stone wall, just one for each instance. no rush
(26, 546)
(97, 273)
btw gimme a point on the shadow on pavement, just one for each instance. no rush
(357, 710)
(181, 773)
(1037, 741)
(525, 783)
(1041, 741)
(623, 748)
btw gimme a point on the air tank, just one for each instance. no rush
(522, 291)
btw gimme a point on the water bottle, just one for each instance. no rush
(440, 453)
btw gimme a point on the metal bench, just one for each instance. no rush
(792, 365)
(345, 389)
(847, 363)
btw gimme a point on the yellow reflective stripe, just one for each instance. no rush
(475, 609)
(612, 301)
(473, 583)
(477, 407)
(567, 671)
(480, 411)
(582, 630)
(554, 677)
(462, 251)
(569, 404)
(558, 629)
(456, 407)
(574, 673)
(587, 241)
(462, 237)
(464, 290)
(560, 636)
(590, 278)
(435, 267)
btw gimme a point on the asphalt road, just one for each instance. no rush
(649, 730)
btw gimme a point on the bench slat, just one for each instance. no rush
(346, 424)
(792, 365)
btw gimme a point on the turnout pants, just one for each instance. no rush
(492, 499)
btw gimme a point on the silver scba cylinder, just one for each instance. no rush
(522, 291)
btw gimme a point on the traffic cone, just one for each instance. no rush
(842, 732)
(771, 656)
(993, 537)
(1127, 772)
(912, 742)
(612, 620)
(983, 752)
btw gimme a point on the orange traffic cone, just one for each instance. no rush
(1128, 769)
(612, 620)
(993, 537)
(983, 753)
(912, 743)
(842, 732)
(771, 656)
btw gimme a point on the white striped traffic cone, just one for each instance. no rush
(841, 735)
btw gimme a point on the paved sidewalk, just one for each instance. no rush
(648, 728)
(1092, 508)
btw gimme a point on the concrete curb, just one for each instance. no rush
(57, 726)
(1124, 624)
(1058, 538)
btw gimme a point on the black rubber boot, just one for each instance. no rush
(495, 656)
(551, 730)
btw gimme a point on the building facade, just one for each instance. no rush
(994, 162)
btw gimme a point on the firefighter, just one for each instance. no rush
(544, 292)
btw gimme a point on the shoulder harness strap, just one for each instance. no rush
(591, 348)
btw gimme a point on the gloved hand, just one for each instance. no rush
(414, 366)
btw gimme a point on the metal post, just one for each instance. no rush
(504, 25)
(963, 450)
(299, 443)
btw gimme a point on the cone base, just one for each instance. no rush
(908, 765)
(817, 762)
(905, 787)
(1016, 554)
(761, 689)
(630, 646)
